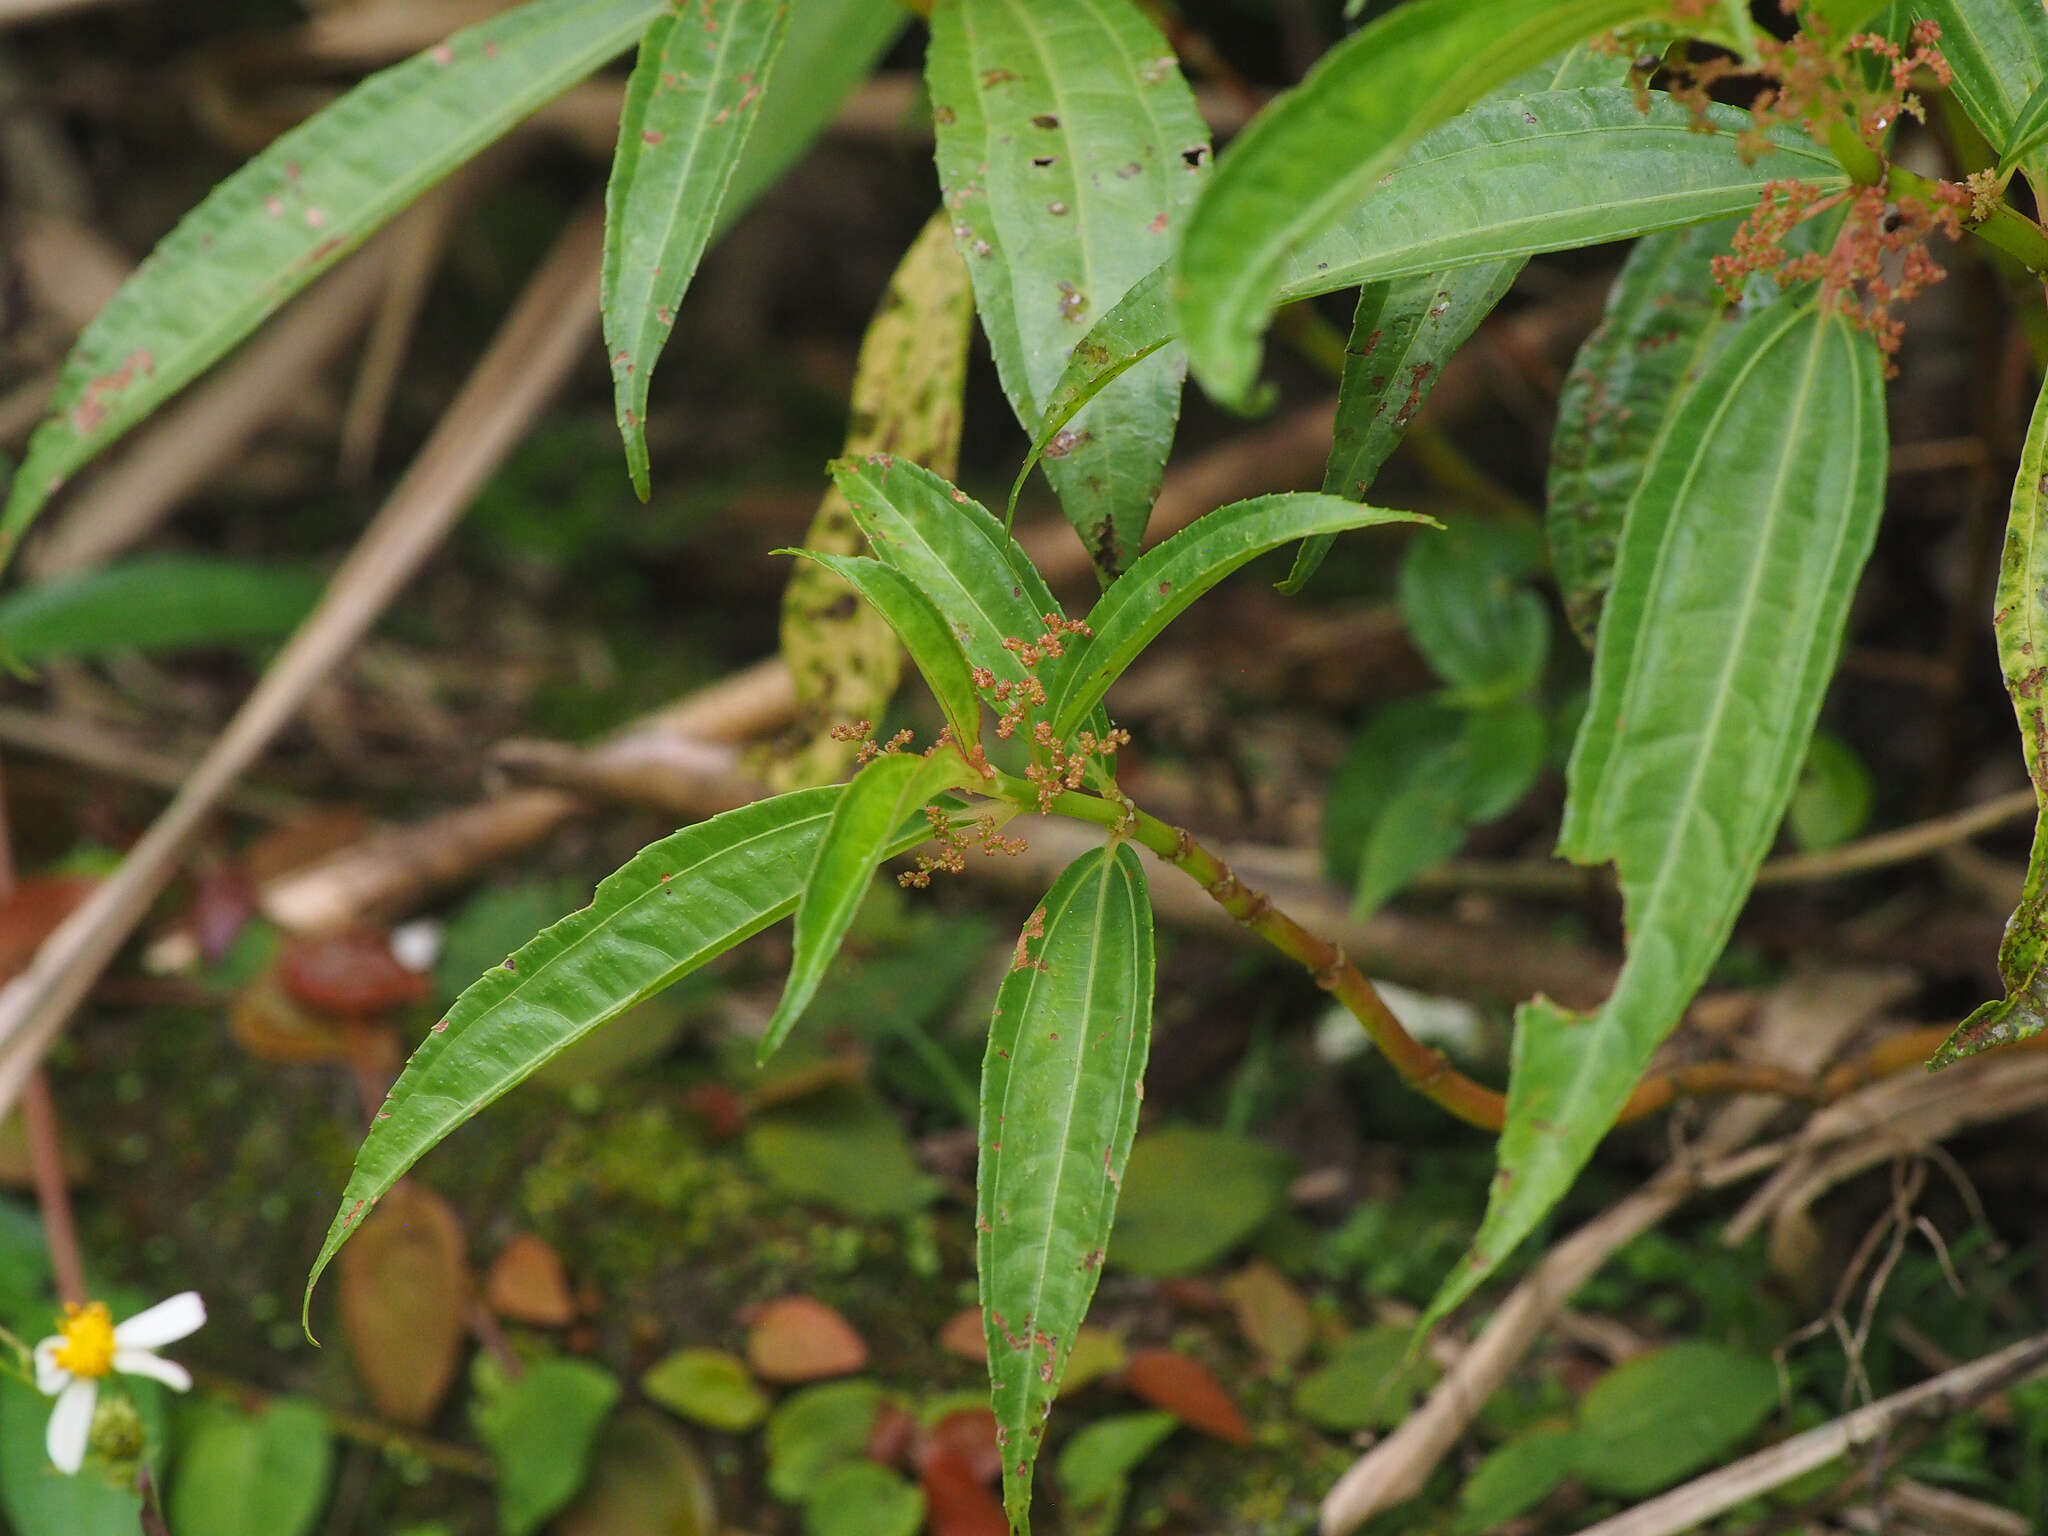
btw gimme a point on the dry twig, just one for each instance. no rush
(546, 332)
(1685, 1508)
(1803, 1023)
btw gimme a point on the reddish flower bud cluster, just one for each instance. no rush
(1880, 259)
(861, 731)
(984, 832)
(1065, 769)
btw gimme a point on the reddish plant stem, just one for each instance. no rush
(53, 1198)
(1427, 1070)
(45, 1143)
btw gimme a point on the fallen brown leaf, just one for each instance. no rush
(799, 1338)
(404, 1284)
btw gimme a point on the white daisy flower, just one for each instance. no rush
(88, 1346)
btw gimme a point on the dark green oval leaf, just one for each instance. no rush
(816, 1429)
(1438, 788)
(1514, 1479)
(689, 107)
(541, 1427)
(1665, 1415)
(1191, 1195)
(1069, 150)
(1059, 1105)
(1732, 585)
(1370, 1381)
(251, 1474)
(296, 209)
(1465, 597)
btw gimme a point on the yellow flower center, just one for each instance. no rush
(88, 1334)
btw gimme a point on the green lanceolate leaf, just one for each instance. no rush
(2019, 621)
(1551, 171)
(1309, 160)
(906, 401)
(675, 905)
(155, 603)
(954, 551)
(863, 828)
(296, 209)
(1137, 325)
(1998, 51)
(1069, 149)
(1740, 555)
(934, 649)
(689, 107)
(831, 49)
(1170, 576)
(2029, 130)
(1620, 399)
(1404, 330)
(1059, 1105)
(1402, 333)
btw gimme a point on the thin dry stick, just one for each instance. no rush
(1687, 1507)
(15, 12)
(398, 867)
(540, 341)
(53, 1196)
(407, 865)
(1901, 846)
(1804, 1021)
(415, 255)
(105, 750)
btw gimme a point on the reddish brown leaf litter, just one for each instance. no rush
(722, 1109)
(527, 1284)
(32, 912)
(893, 1438)
(1271, 1314)
(1184, 1387)
(272, 1026)
(223, 901)
(956, 1502)
(962, 1335)
(799, 1338)
(354, 975)
(404, 1288)
(967, 1437)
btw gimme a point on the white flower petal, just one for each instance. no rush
(165, 1323)
(51, 1378)
(140, 1362)
(71, 1425)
